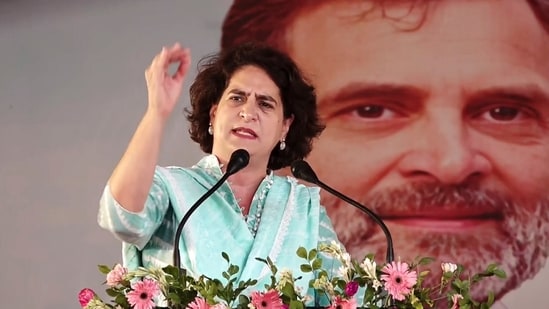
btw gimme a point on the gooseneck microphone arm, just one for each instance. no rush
(390, 251)
(239, 159)
(302, 170)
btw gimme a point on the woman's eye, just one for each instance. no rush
(266, 104)
(236, 98)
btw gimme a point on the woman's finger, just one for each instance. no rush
(184, 60)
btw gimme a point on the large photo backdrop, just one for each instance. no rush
(437, 95)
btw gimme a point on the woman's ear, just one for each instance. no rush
(287, 122)
(213, 109)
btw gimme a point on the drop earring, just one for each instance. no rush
(282, 144)
(210, 129)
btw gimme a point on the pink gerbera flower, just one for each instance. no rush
(267, 300)
(142, 294)
(85, 296)
(340, 303)
(198, 303)
(399, 280)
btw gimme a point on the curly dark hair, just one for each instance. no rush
(297, 94)
(268, 20)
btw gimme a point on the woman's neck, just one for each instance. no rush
(244, 184)
(251, 174)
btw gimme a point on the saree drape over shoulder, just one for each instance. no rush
(284, 215)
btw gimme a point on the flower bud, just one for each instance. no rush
(351, 288)
(448, 267)
(85, 296)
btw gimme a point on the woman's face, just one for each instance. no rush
(249, 115)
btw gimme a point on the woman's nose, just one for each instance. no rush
(248, 112)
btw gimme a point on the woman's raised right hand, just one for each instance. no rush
(164, 88)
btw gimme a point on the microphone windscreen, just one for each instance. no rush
(302, 170)
(239, 160)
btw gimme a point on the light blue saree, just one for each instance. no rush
(284, 215)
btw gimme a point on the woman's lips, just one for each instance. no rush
(245, 132)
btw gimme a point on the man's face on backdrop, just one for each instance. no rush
(442, 130)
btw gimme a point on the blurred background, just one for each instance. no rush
(72, 91)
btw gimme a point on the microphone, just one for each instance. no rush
(302, 170)
(239, 160)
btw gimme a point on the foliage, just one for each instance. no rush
(354, 284)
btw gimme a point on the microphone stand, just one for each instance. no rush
(302, 170)
(390, 251)
(176, 253)
(239, 160)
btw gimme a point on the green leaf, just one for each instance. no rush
(491, 299)
(225, 275)
(288, 291)
(341, 284)
(173, 297)
(500, 273)
(302, 252)
(225, 256)
(104, 269)
(172, 270)
(243, 302)
(306, 268)
(294, 304)
(425, 261)
(233, 269)
(113, 292)
(312, 254)
(317, 264)
(122, 300)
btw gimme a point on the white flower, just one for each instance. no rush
(335, 245)
(369, 266)
(299, 291)
(332, 249)
(448, 267)
(346, 259)
(455, 300)
(286, 276)
(376, 284)
(343, 271)
(307, 298)
(96, 304)
(323, 283)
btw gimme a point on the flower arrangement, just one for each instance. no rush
(361, 284)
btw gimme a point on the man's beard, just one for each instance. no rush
(519, 245)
